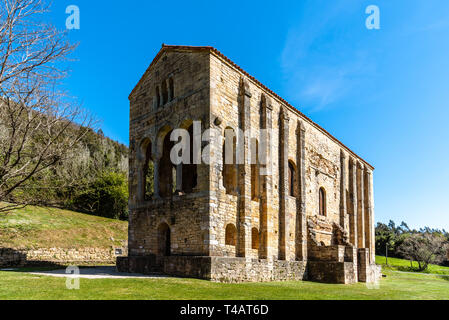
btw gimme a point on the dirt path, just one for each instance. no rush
(97, 273)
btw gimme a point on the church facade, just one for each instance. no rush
(296, 205)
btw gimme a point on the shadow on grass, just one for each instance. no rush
(409, 269)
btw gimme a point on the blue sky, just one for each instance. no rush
(384, 93)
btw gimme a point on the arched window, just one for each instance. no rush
(164, 239)
(322, 202)
(167, 171)
(148, 171)
(231, 235)
(255, 238)
(291, 179)
(189, 171)
(230, 161)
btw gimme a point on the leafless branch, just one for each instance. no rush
(39, 123)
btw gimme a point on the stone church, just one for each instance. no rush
(311, 217)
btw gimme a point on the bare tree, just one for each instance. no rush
(39, 123)
(425, 249)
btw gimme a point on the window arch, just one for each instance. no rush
(147, 170)
(189, 171)
(291, 179)
(231, 235)
(254, 238)
(167, 170)
(322, 207)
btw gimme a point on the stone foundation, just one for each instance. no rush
(332, 272)
(218, 269)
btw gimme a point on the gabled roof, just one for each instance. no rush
(237, 67)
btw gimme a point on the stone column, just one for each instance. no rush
(138, 167)
(301, 220)
(343, 213)
(283, 184)
(353, 203)
(360, 206)
(266, 227)
(156, 166)
(369, 216)
(244, 174)
(179, 178)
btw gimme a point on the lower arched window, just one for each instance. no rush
(322, 202)
(291, 179)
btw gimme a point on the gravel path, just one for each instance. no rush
(98, 273)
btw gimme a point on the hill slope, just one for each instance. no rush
(39, 227)
(396, 264)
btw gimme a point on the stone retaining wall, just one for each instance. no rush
(19, 257)
(219, 269)
(255, 270)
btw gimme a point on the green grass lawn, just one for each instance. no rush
(36, 227)
(404, 265)
(398, 286)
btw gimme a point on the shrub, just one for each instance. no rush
(107, 197)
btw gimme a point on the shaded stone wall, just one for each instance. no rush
(235, 269)
(152, 117)
(186, 218)
(19, 257)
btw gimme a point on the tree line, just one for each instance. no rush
(425, 246)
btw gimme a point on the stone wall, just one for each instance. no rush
(367, 271)
(255, 270)
(20, 257)
(238, 102)
(332, 272)
(219, 269)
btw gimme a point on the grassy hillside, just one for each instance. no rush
(37, 227)
(404, 265)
